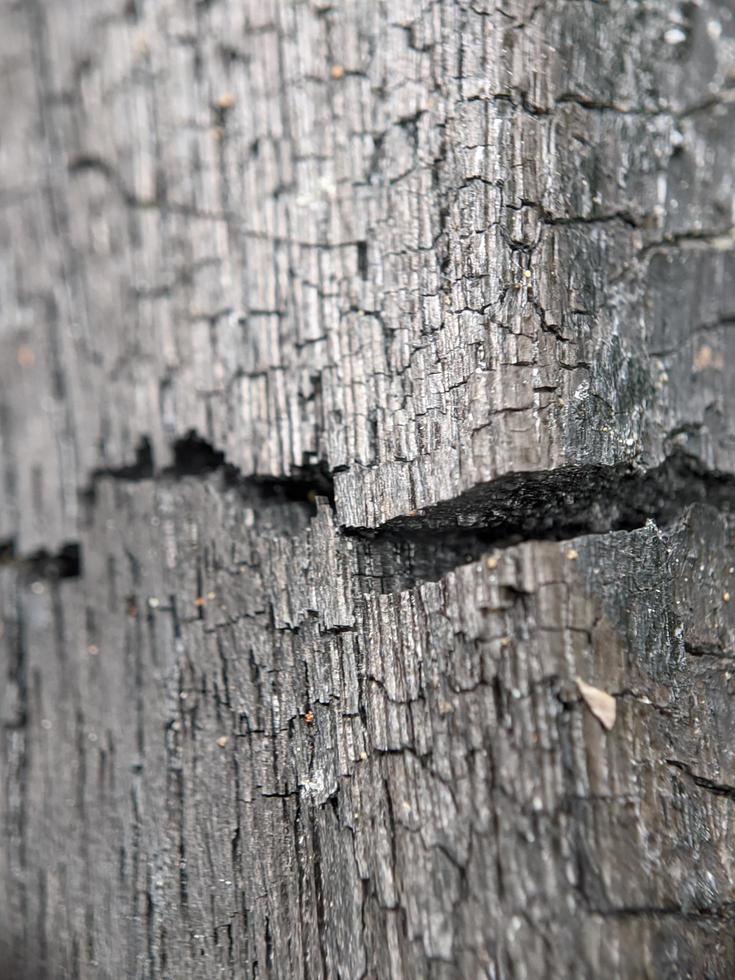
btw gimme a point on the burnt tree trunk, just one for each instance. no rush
(367, 380)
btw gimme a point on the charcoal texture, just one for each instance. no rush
(366, 379)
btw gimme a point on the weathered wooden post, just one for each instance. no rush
(367, 424)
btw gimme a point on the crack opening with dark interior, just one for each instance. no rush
(42, 564)
(194, 456)
(556, 505)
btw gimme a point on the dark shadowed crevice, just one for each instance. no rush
(554, 505)
(42, 564)
(719, 789)
(142, 469)
(571, 501)
(194, 456)
(560, 504)
(362, 260)
(710, 650)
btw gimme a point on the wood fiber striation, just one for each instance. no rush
(365, 381)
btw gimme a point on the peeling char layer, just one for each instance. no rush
(330, 781)
(423, 247)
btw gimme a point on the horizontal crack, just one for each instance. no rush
(707, 650)
(141, 469)
(719, 789)
(560, 504)
(42, 564)
(194, 456)
(725, 910)
(554, 505)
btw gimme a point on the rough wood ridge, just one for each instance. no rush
(365, 379)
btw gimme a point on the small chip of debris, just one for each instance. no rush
(25, 357)
(226, 101)
(141, 47)
(363, 756)
(337, 72)
(706, 358)
(677, 138)
(572, 554)
(505, 641)
(601, 704)
(726, 596)
(492, 562)
(222, 741)
(211, 595)
(527, 273)
(675, 36)
(153, 602)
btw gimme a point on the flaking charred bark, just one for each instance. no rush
(366, 380)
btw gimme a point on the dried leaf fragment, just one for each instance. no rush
(25, 357)
(601, 704)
